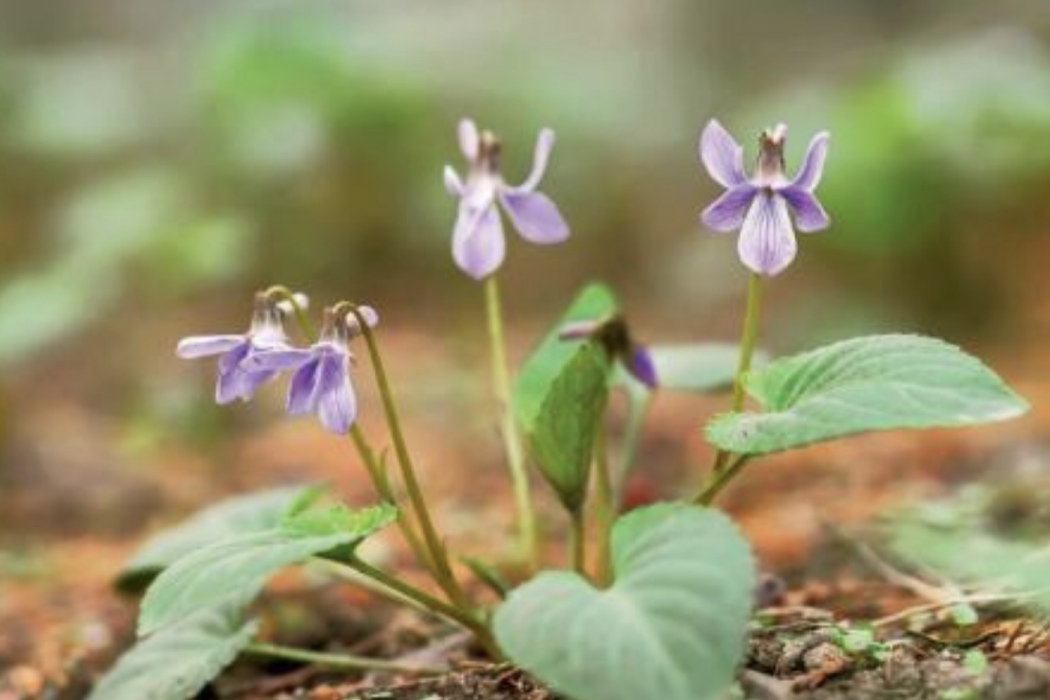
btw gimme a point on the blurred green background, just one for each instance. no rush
(159, 161)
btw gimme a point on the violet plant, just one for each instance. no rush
(660, 606)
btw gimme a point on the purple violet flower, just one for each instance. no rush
(237, 377)
(615, 336)
(321, 383)
(762, 206)
(478, 245)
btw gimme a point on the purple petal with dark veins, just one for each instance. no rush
(767, 241)
(206, 345)
(535, 216)
(722, 155)
(336, 404)
(302, 394)
(642, 366)
(809, 214)
(477, 242)
(808, 176)
(278, 359)
(727, 213)
(230, 383)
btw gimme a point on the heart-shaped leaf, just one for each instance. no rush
(702, 368)
(560, 396)
(240, 565)
(877, 382)
(240, 515)
(177, 662)
(671, 626)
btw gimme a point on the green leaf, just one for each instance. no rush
(702, 368)
(878, 382)
(178, 662)
(235, 516)
(240, 565)
(560, 396)
(671, 626)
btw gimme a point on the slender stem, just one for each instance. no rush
(718, 480)
(463, 617)
(442, 570)
(747, 351)
(381, 481)
(342, 661)
(529, 547)
(604, 508)
(578, 542)
(301, 317)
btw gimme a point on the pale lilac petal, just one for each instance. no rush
(277, 359)
(767, 241)
(535, 216)
(727, 212)
(478, 246)
(544, 144)
(642, 366)
(370, 315)
(722, 155)
(302, 394)
(809, 174)
(453, 184)
(579, 330)
(205, 345)
(809, 214)
(229, 385)
(336, 404)
(469, 141)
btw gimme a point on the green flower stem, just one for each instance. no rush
(529, 547)
(718, 480)
(376, 470)
(381, 481)
(604, 509)
(442, 570)
(463, 617)
(578, 542)
(747, 351)
(348, 662)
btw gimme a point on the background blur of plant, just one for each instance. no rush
(161, 160)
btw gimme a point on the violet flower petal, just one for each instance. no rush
(453, 184)
(336, 404)
(544, 144)
(722, 155)
(808, 176)
(726, 214)
(302, 397)
(478, 246)
(206, 345)
(809, 214)
(469, 141)
(767, 242)
(277, 359)
(535, 216)
(230, 385)
(642, 367)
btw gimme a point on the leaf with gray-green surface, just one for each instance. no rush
(176, 663)
(241, 515)
(560, 395)
(671, 626)
(241, 564)
(878, 382)
(701, 368)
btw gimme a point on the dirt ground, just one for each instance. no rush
(73, 509)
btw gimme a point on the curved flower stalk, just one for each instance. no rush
(238, 376)
(478, 244)
(321, 382)
(762, 206)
